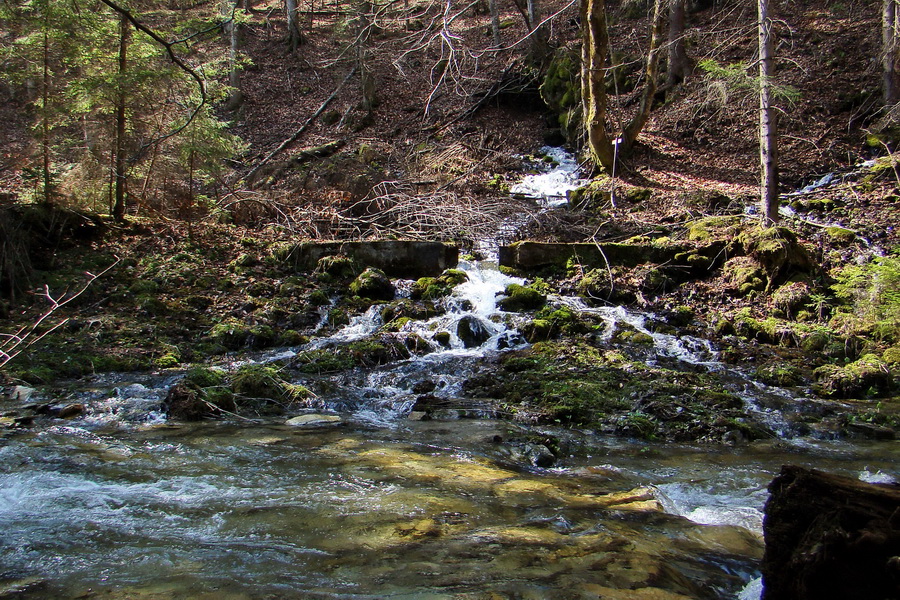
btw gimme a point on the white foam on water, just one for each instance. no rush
(877, 477)
(551, 187)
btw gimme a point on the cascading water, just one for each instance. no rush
(122, 504)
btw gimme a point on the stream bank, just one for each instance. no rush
(518, 425)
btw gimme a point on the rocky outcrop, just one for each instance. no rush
(397, 258)
(830, 537)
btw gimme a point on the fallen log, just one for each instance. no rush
(829, 536)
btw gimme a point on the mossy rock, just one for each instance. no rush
(627, 334)
(745, 274)
(364, 353)
(144, 286)
(318, 298)
(204, 377)
(339, 266)
(779, 373)
(373, 284)
(200, 394)
(869, 376)
(261, 336)
(261, 289)
(199, 302)
(520, 298)
(840, 236)
(790, 297)
(259, 381)
(777, 250)
(592, 196)
(433, 288)
(637, 195)
(891, 356)
(561, 89)
(232, 334)
(242, 262)
(537, 330)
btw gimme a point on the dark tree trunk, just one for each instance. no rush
(45, 120)
(121, 99)
(679, 65)
(830, 537)
(889, 18)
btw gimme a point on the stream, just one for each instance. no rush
(121, 503)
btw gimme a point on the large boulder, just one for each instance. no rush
(830, 537)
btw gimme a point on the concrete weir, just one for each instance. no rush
(532, 255)
(406, 259)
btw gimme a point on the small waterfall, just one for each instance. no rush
(551, 186)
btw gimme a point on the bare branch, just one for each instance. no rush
(14, 344)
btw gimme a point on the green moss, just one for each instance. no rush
(869, 376)
(258, 381)
(231, 333)
(373, 284)
(572, 382)
(143, 287)
(243, 262)
(168, 361)
(339, 266)
(637, 195)
(204, 377)
(745, 274)
(713, 228)
(520, 298)
(891, 356)
(364, 353)
(595, 195)
(779, 373)
(839, 235)
(433, 288)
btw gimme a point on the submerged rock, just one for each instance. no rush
(313, 420)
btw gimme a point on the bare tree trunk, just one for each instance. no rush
(540, 44)
(768, 119)
(121, 98)
(594, 48)
(495, 22)
(678, 60)
(294, 37)
(889, 19)
(651, 74)
(233, 29)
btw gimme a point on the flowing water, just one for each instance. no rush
(121, 503)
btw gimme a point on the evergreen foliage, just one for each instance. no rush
(67, 59)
